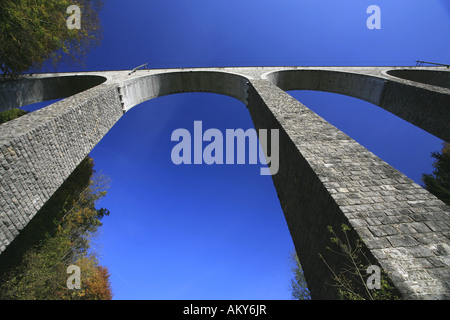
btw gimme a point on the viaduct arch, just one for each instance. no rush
(324, 178)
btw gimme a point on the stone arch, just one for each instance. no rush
(434, 78)
(325, 177)
(17, 93)
(421, 104)
(138, 90)
(39, 150)
(365, 87)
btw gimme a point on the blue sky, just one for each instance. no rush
(218, 232)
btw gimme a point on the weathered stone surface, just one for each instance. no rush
(325, 178)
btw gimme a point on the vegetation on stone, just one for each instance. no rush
(351, 281)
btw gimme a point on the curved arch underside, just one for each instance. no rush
(434, 78)
(17, 93)
(417, 104)
(324, 178)
(416, 95)
(144, 88)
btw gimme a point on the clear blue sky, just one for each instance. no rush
(218, 232)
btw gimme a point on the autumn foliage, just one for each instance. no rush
(97, 285)
(35, 31)
(61, 234)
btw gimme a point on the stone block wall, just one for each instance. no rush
(325, 178)
(38, 152)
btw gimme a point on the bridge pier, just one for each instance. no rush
(325, 178)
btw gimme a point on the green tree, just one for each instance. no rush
(351, 279)
(438, 183)
(41, 275)
(35, 31)
(11, 114)
(46, 221)
(299, 288)
(95, 282)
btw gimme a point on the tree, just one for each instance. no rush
(42, 271)
(351, 279)
(96, 285)
(47, 220)
(438, 183)
(35, 31)
(11, 114)
(299, 288)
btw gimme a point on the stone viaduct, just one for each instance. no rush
(325, 177)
